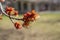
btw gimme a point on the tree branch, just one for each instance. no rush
(1, 7)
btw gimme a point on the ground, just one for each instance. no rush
(46, 28)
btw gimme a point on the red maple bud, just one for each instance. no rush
(32, 19)
(16, 13)
(17, 25)
(25, 15)
(28, 13)
(9, 8)
(33, 12)
(26, 24)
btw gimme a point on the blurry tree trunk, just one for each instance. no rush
(36, 7)
(22, 8)
(16, 5)
(29, 6)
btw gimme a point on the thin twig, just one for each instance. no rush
(11, 20)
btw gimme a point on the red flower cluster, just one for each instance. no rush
(29, 17)
(17, 25)
(11, 11)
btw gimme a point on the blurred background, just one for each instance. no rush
(38, 5)
(47, 27)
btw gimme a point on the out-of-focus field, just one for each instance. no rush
(45, 28)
